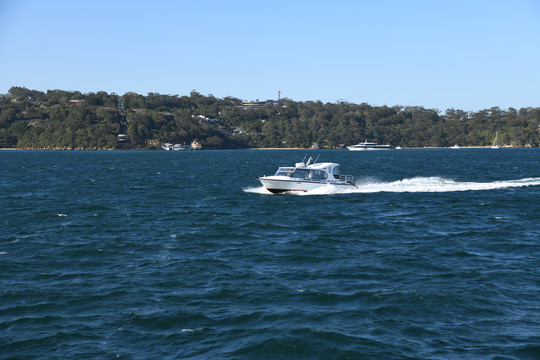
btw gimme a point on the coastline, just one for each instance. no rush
(274, 148)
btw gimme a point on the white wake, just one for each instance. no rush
(412, 185)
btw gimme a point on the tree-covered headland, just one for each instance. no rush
(57, 119)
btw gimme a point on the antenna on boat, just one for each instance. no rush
(317, 158)
(304, 159)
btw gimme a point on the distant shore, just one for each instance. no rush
(274, 148)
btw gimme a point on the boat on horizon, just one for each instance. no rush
(305, 177)
(495, 145)
(366, 145)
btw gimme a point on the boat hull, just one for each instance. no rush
(275, 185)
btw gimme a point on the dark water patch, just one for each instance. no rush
(307, 343)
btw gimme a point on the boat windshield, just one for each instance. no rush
(317, 174)
(284, 171)
(300, 173)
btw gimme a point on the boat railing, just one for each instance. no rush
(347, 178)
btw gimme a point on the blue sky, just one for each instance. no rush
(461, 54)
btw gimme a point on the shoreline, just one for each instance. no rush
(274, 148)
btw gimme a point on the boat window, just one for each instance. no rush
(284, 171)
(300, 173)
(335, 172)
(317, 174)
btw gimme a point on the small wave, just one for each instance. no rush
(412, 185)
(61, 215)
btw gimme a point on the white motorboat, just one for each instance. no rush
(305, 177)
(366, 145)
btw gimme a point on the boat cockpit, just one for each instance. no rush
(302, 172)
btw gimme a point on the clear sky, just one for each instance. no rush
(440, 54)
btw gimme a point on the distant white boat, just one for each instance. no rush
(398, 147)
(455, 147)
(176, 147)
(495, 145)
(366, 145)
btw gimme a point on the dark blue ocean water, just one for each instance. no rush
(173, 255)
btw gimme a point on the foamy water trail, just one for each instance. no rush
(413, 185)
(257, 190)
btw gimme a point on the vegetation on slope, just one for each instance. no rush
(56, 120)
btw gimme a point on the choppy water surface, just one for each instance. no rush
(167, 255)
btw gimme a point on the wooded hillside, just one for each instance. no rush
(61, 119)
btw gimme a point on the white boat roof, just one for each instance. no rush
(322, 165)
(316, 165)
